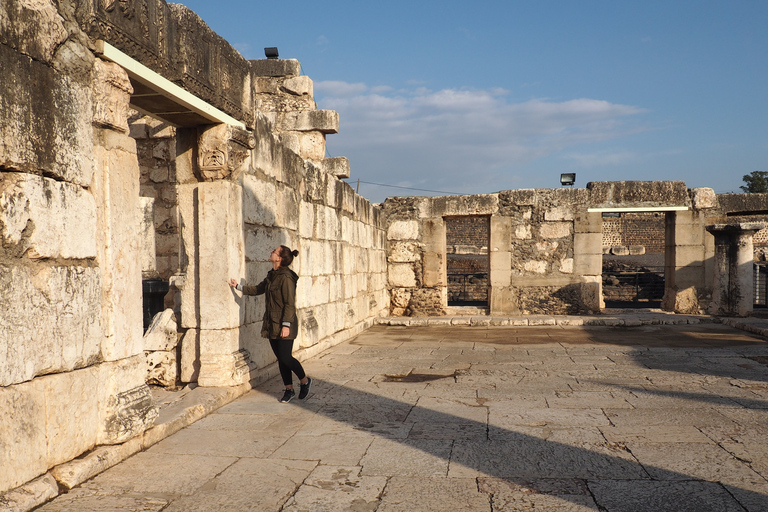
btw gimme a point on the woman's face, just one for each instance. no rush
(274, 256)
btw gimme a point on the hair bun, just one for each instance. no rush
(295, 253)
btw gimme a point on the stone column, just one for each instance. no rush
(683, 261)
(124, 400)
(222, 155)
(501, 299)
(733, 293)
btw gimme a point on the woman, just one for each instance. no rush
(280, 323)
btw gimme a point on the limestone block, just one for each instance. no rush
(258, 201)
(309, 327)
(337, 166)
(260, 242)
(559, 213)
(290, 141)
(50, 128)
(433, 269)
(220, 253)
(72, 415)
(161, 334)
(703, 198)
(689, 255)
(258, 349)
(21, 20)
(125, 407)
(336, 285)
(223, 362)
(45, 218)
(523, 232)
(536, 266)
(588, 222)
(587, 243)
(306, 219)
(323, 121)
(404, 252)
(403, 230)
(23, 448)
(636, 250)
(287, 208)
(502, 301)
(555, 229)
(566, 265)
(500, 261)
(402, 275)
(162, 369)
(50, 318)
(116, 190)
(501, 277)
(588, 264)
(189, 366)
(298, 85)
(111, 95)
(620, 250)
(400, 297)
(275, 67)
(321, 287)
(311, 145)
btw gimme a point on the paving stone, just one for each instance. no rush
(427, 494)
(154, 473)
(528, 457)
(442, 410)
(685, 496)
(697, 417)
(87, 500)
(256, 485)
(539, 417)
(654, 434)
(335, 449)
(231, 443)
(337, 488)
(412, 457)
(587, 399)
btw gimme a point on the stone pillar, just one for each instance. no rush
(588, 257)
(125, 406)
(500, 295)
(733, 293)
(684, 261)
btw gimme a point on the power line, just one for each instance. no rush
(411, 188)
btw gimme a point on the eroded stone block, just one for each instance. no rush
(162, 368)
(402, 275)
(45, 218)
(22, 433)
(50, 318)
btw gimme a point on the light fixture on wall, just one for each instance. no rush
(567, 179)
(271, 52)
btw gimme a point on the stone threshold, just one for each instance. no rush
(634, 318)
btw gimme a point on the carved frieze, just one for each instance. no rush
(111, 96)
(223, 151)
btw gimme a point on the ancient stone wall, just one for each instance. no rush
(89, 205)
(634, 230)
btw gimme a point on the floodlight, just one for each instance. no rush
(567, 179)
(271, 52)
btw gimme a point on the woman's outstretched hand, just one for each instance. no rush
(232, 283)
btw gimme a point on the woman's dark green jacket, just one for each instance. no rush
(279, 289)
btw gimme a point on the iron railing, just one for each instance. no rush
(467, 288)
(761, 284)
(641, 286)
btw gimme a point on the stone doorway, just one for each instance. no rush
(467, 260)
(633, 263)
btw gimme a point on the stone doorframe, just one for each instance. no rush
(685, 255)
(212, 150)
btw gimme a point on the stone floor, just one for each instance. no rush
(554, 418)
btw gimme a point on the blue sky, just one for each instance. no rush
(486, 96)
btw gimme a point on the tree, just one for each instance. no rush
(756, 182)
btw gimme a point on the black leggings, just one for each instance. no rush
(285, 361)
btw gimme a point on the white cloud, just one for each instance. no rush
(463, 140)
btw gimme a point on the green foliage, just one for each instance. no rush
(756, 182)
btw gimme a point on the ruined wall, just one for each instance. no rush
(546, 246)
(71, 371)
(533, 239)
(77, 184)
(629, 232)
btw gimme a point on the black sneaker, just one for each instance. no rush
(288, 395)
(304, 391)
